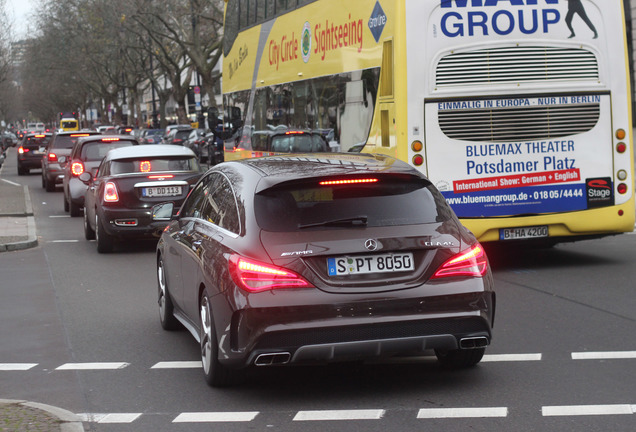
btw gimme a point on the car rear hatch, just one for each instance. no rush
(387, 235)
(140, 185)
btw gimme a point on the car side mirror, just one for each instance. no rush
(86, 177)
(61, 159)
(163, 211)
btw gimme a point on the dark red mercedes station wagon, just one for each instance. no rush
(321, 257)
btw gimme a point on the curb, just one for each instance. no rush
(69, 422)
(32, 240)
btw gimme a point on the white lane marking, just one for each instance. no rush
(178, 365)
(17, 366)
(63, 241)
(339, 415)
(438, 413)
(59, 216)
(215, 417)
(600, 355)
(584, 410)
(109, 418)
(92, 366)
(511, 357)
(10, 182)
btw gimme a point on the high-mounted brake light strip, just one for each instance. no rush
(344, 182)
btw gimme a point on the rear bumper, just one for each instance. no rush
(331, 328)
(129, 223)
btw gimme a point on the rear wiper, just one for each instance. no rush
(356, 221)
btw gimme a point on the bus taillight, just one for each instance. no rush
(622, 188)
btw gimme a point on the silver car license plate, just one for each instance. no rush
(366, 264)
(161, 191)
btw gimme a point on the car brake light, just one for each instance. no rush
(52, 157)
(145, 166)
(294, 133)
(77, 168)
(254, 276)
(350, 181)
(40, 136)
(471, 262)
(79, 135)
(22, 150)
(110, 192)
(160, 176)
(109, 139)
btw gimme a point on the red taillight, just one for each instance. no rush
(350, 181)
(22, 150)
(160, 176)
(110, 192)
(177, 140)
(109, 139)
(77, 168)
(52, 157)
(294, 133)
(254, 276)
(471, 262)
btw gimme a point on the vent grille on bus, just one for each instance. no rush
(517, 64)
(519, 124)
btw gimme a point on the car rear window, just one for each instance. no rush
(37, 140)
(298, 143)
(66, 141)
(388, 202)
(96, 150)
(145, 165)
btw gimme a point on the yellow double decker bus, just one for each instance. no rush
(519, 111)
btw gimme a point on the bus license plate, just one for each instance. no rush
(523, 232)
(161, 191)
(366, 264)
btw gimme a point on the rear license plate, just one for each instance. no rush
(523, 232)
(161, 191)
(366, 264)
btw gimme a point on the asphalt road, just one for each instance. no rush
(80, 330)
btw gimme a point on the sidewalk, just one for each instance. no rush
(17, 231)
(17, 224)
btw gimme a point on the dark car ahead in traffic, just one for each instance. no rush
(32, 148)
(321, 257)
(130, 181)
(56, 155)
(86, 155)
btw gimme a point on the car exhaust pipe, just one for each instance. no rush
(473, 342)
(272, 359)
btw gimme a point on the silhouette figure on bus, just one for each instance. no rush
(576, 7)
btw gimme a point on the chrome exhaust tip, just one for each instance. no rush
(272, 359)
(473, 342)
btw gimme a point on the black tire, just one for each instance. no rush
(65, 204)
(460, 358)
(105, 242)
(22, 171)
(216, 374)
(48, 185)
(43, 182)
(166, 308)
(74, 209)
(89, 232)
